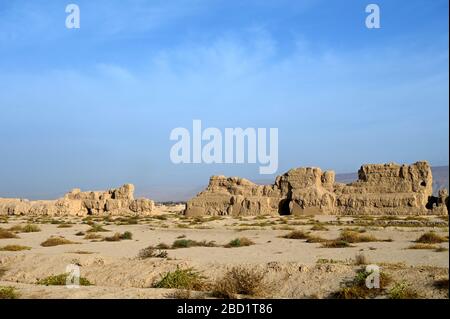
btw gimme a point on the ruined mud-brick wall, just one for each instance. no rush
(118, 201)
(380, 189)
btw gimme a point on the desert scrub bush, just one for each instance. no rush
(64, 226)
(96, 228)
(118, 236)
(357, 289)
(336, 243)
(56, 241)
(6, 234)
(92, 236)
(401, 290)
(441, 249)
(152, 252)
(355, 237)
(430, 238)
(61, 280)
(318, 227)
(8, 293)
(239, 242)
(423, 246)
(186, 243)
(14, 248)
(28, 228)
(182, 279)
(240, 281)
(296, 234)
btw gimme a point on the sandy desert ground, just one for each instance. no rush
(277, 267)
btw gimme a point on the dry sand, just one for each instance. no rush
(293, 268)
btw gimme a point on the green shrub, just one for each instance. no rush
(239, 242)
(401, 290)
(8, 293)
(182, 279)
(61, 280)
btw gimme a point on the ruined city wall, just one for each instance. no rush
(118, 201)
(389, 189)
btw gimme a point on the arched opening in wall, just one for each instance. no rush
(424, 184)
(283, 207)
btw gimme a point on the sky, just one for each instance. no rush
(93, 108)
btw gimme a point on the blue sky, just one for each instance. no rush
(94, 107)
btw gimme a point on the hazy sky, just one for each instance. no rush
(94, 107)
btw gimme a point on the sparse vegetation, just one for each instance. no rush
(431, 238)
(6, 234)
(350, 236)
(14, 248)
(296, 234)
(336, 243)
(64, 225)
(182, 279)
(318, 227)
(422, 246)
(187, 243)
(96, 228)
(61, 280)
(239, 242)
(28, 228)
(357, 289)
(118, 236)
(152, 252)
(240, 281)
(56, 241)
(402, 290)
(92, 236)
(8, 293)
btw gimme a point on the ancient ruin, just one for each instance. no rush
(381, 189)
(118, 201)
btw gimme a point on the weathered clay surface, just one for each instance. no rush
(380, 189)
(118, 201)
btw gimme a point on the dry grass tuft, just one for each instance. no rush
(239, 242)
(402, 290)
(56, 241)
(431, 238)
(187, 243)
(296, 234)
(423, 246)
(152, 252)
(6, 234)
(240, 281)
(14, 248)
